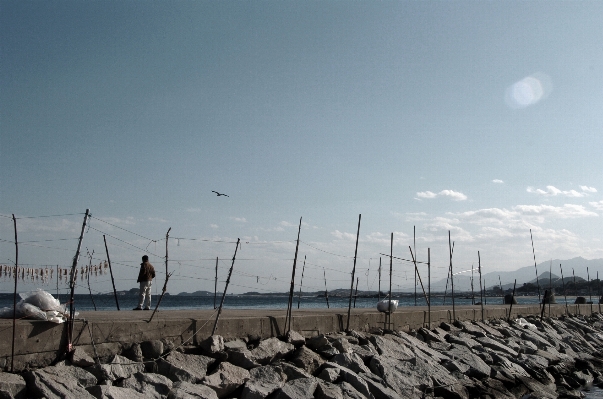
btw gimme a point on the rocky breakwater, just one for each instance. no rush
(525, 358)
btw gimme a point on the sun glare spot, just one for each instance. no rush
(528, 91)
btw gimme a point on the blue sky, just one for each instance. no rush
(481, 118)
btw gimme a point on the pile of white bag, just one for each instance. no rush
(386, 304)
(38, 305)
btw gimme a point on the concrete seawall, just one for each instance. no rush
(39, 343)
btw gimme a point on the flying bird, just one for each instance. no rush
(219, 194)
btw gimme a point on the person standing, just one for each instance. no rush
(145, 278)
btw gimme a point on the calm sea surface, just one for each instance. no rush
(277, 301)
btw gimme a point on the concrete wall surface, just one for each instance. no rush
(40, 343)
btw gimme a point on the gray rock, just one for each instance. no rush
(342, 345)
(152, 349)
(317, 342)
(389, 348)
(302, 388)
(151, 384)
(306, 359)
(212, 345)
(80, 358)
(329, 374)
(492, 344)
(182, 367)
(351, 378)
(416, 346)
(378, 389)
(541, 390)
(118, 367)
(477, 367)
(49, 384)
(469, 328)
(186, 390)
(134, 353)
(352, 361)
(12, 386)
(226, 379)
(262, 382)
(429, 335)
(235, 344)
(241, 357)
(295, 338)
(349, 392)
(113, 392)
(289, 371)
(327, 390)
(270, 350)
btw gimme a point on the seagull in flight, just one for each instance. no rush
(219, 194)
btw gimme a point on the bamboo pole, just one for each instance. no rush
(429, 286)
(451, 278)
(347, 328)
(447, 279)
(379, 293)
(213, 331)
(550, 285)
(88, 276)
(326, 291)
(599, 291)
(564, 292)
(414, 260)
(575, 289)
(481, 295)
(391, 267)
(535, 267)
(216, 283)
(590, 297)
(167, 274)
(512, 300)
(72, 285)
(356, 292)
(414, 243)
(12, 355)
(302, 281)
(472, 292)
(111, 272)
(290, 303)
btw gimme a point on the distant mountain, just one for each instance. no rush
(462, 282)
(198, 293)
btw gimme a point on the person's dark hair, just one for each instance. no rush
(145, 258)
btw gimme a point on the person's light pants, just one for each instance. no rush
(145, 294)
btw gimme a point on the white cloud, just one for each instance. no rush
(552, 191)
(242, 220)
(587, 189)
(597, 205)
(213, 226)
(287, 224)
(454, 195)
(566, 211)
(497, 181)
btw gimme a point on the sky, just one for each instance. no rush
(482, 119)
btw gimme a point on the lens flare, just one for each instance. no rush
(528, 91)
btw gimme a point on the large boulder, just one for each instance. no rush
(151, 384)
(270, 350)
(186, 390)
(302, 388)
(119, 367)
(12, 386)
(262, 382)
(212, 345)
(152, 349)
(58, 382)
(391, 349)
(81, 358)
(113, 392)
(183, 367)
(226, 379)
(306, 359)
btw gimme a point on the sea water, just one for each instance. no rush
(84, 302)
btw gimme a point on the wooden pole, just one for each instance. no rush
(326, 292)
(429, 286)
(216, 283)
(599, 291)
(88, 277)
(575, 289)
(414, 260)
(472, 292)
(535, 267)
(302, 281)
(546, 295)
(564, 292)
(58, 299)
(481, 295)
(167, 274)
(414, 244)
(502, 294)
(379, 293)
(512, 300)
(72, 286)
(347, 328)
(213, 331)
(447, 279)
(111, 272)
(590, 297)
(451, 277)
(12, 355)
(356, 292)
(290, 303)
(391, 267)
(550, 285)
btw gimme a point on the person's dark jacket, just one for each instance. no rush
(147, 272)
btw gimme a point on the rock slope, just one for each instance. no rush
(533, 358)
